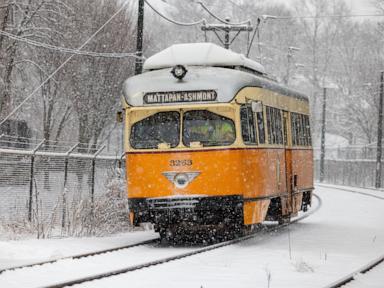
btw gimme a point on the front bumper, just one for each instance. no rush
(200, 210)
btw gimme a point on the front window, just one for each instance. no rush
(207, 128)
(161, 128)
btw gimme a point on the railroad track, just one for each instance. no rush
(83, 255)
(369, 266)
(351, 191)
(159, 260)
(351, 277)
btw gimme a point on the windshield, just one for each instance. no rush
(208, 128)
(162, 127)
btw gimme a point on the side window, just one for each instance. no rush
(274, 126)
(279, 127)
(285, 115)
(260, 126)
(248, 130)
(308, 130)
(301, 132)
(293, 129)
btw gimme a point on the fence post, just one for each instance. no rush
(31, 177)
(65, 183)
(93, 176)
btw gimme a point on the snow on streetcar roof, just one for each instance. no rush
(200, 54)
(207, 71)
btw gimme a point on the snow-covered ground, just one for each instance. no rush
(345, 234)
(15, 253)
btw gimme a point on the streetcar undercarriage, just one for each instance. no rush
(190, 217)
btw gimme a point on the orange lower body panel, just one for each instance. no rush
(250, 173)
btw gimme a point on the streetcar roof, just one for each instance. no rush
(200, 54)
(226, 82)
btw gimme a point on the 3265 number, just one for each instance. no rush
(178, 163)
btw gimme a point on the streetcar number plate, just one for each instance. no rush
(177, 163)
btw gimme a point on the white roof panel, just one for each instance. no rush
(199, 54)
(226, 82)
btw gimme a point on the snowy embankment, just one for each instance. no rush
(15, 253)
(344, 235)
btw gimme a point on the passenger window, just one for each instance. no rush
(274, 126)
(308, 130)
(285, 129)
(294, 128)
(248, 131)
(301, 132)
(260, 125)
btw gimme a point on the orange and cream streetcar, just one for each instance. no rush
(213, 144)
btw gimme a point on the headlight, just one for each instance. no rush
(179, 71)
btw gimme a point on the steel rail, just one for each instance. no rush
(84, 255)
(181, 256)
(351, 277)
(350, 191)
(364, 269)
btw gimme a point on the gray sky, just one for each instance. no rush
(361, 6)
(358, 6)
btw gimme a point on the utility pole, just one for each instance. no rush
(227, 28)
(322, 153)
(379, 133)
(139, 38)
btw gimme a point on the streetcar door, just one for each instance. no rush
(290, 178)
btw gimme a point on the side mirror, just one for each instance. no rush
(257, 107)
(119, 117)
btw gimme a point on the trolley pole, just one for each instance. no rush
(323, 127)
(139, 38)
(379, 133)
(226, 39)
(227, 28)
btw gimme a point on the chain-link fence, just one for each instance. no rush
(348, 153)
(358, 173)
(64, 189)
(351, 166)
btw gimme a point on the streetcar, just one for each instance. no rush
(213, 145)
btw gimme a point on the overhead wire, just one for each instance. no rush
(222, 20)
(68, 50)
(63, 64)
(325, 16)
(174, 21)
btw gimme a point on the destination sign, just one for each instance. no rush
(180, 97)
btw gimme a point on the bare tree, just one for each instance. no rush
(94, 84)
(357, 68)
(28, 19)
